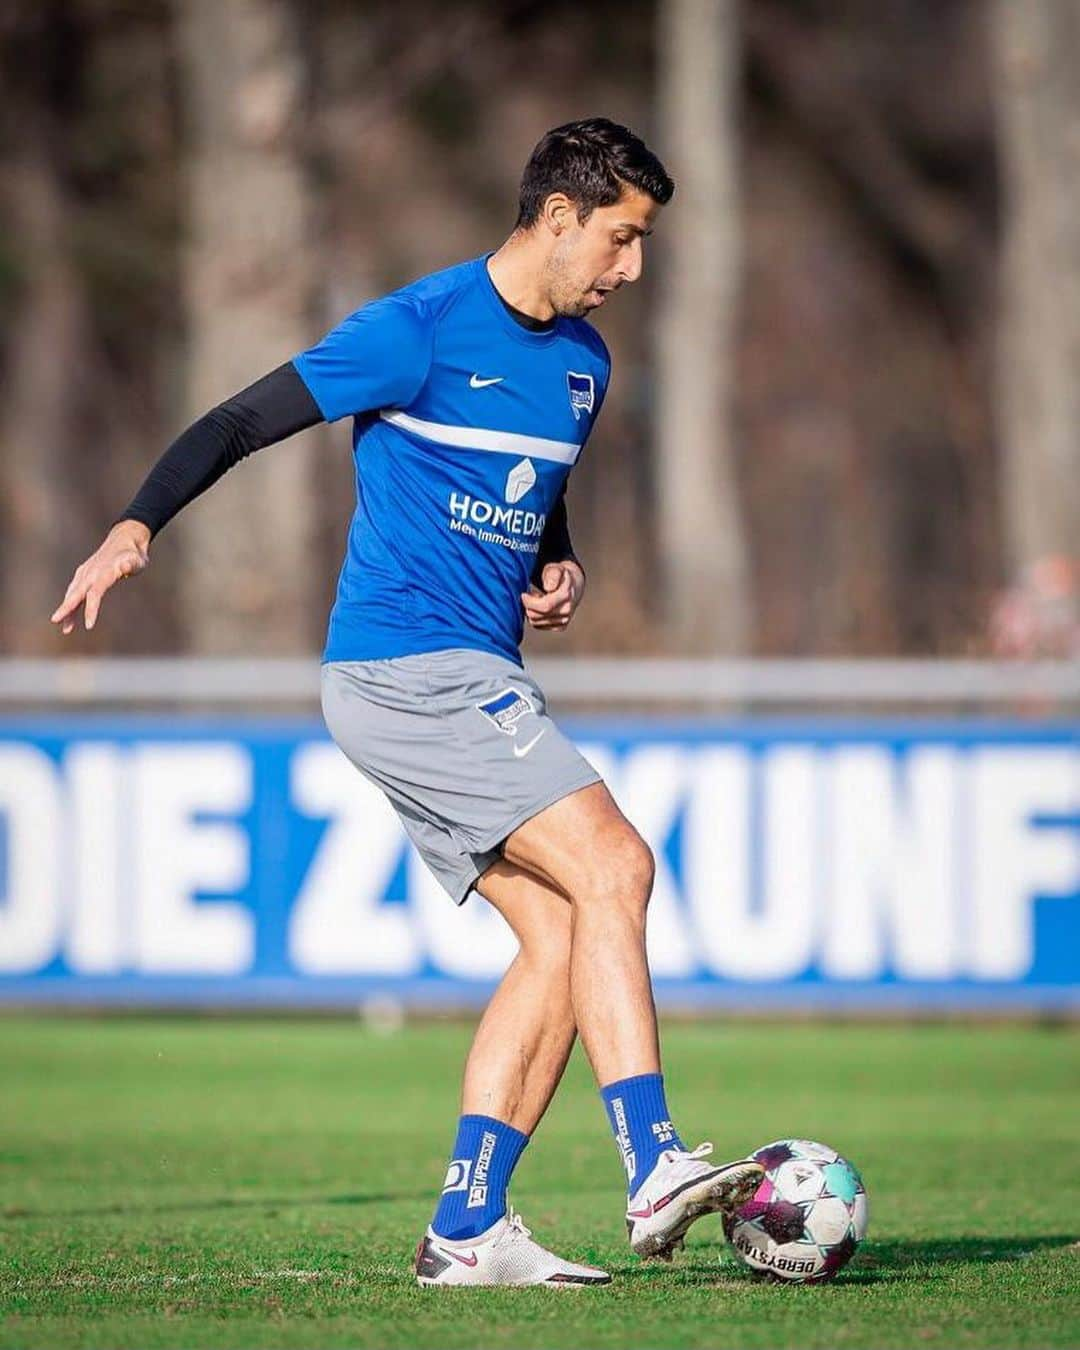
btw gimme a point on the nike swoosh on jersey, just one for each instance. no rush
(520, 751)
(475, 382)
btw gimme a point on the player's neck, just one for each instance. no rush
(516, 272)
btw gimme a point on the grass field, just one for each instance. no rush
(251, 1183)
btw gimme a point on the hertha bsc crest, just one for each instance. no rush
(507, 709)
(582, 393)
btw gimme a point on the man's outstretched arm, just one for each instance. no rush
(266, 412)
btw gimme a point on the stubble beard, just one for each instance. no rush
(565, 293)
(572, 309)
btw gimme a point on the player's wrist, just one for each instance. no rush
(132, 532)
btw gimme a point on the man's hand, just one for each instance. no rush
(553, 607)
(124, 552)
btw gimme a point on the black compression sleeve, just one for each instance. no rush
(272, 408)
(555, 545)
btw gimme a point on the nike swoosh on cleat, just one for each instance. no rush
(655, 1207)
(475, 381)
(520, 751)
(469, 1260)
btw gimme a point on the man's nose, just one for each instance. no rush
(631, 263)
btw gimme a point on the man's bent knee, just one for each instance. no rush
(588, 850)
(619, 873)
(636, 857)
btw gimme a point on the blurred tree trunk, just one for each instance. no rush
(700, 524)
(43, 491)
(1038, 92)
(248, 583)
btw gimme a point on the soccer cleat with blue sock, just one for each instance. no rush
(474, 1193)
(682, 1187)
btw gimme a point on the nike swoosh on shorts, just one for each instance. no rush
(520, 751)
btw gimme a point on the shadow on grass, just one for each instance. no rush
(876, 1263)
(270, 1204)
(900, 1256)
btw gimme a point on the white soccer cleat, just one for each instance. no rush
(681, 1188)
(505, 1255)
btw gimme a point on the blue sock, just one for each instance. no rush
(641, 1124)
(474, 1193)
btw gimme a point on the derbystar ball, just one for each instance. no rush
(806, 1218)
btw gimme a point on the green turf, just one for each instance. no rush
(186, 1183)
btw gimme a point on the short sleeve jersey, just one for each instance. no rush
(466, 425)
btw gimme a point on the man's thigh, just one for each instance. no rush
(577, 841)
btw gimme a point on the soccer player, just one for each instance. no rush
(472, 394)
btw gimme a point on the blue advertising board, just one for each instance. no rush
(799, 864)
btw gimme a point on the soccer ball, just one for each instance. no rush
(807, 1216)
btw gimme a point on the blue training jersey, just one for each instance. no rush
(466, 425)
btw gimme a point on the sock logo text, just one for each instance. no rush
(622, 1138)
(478, 1191)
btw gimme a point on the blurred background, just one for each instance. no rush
(849, 380)
(842, 424)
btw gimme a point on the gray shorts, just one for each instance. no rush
(461, 743)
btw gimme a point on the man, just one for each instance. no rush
(473, 392)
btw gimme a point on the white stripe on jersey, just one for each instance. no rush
(477, 438)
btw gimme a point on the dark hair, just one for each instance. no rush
(592, 162)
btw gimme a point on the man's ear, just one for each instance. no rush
(558, 212)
